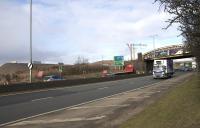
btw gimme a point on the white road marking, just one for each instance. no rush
(41, 99)
(87, 107)
(137, 97)
(58, 120)
(102, 88)
(45, 113)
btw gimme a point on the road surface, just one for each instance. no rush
(18, 106)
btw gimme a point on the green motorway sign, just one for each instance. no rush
(118, 60)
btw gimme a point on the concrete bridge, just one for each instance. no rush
(168, 52)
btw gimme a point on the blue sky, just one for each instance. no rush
(66, 29)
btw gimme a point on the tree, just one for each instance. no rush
(82, 64)
(81, 60)
(187, 14)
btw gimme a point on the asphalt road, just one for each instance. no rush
(18, 106)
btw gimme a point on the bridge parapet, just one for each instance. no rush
(173, 51)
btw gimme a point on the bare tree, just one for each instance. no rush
(187, 14)
(81, 60)
(82, 64)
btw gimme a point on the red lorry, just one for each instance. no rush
(128, 69)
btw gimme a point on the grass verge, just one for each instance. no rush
(180, 108)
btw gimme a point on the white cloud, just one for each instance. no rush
(65, 29)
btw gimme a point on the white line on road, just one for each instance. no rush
(86, 107)
(41, 99)
(122, 97)
(58, 120)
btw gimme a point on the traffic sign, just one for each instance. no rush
(60, 68)
(30, 65)
(119, 63)
(119, 60)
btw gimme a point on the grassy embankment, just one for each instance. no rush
(180, 108)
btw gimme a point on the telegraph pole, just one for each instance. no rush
(30, 63)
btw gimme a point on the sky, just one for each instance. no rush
(93, 29)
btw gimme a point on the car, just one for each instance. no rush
(184, 69)
(52, 78)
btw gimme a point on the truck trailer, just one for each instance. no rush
(163, 68)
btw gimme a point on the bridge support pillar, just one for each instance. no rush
(148, 66)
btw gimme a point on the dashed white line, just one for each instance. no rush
(41, 99)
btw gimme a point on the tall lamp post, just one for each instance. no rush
(154, 37)
(30, 63)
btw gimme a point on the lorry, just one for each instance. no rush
(127, 69)
(163, 68)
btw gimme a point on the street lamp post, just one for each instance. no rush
(154, 37)
(30, 65)
(154, 45)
